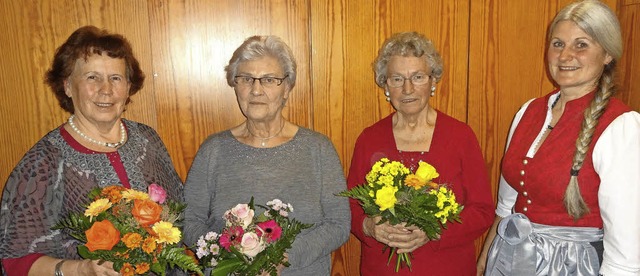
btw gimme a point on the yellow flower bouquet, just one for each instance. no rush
(397, 195)
(137, 231)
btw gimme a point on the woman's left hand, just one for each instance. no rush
(407, 242)
(279, 268)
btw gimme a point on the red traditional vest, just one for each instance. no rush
(541, 181)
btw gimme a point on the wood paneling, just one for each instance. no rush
(629, 66)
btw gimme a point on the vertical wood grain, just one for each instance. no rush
(629, 66)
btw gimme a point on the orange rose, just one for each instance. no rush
(146, 212)
(102, 236)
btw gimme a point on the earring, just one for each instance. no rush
(388, 95)
(433, 91)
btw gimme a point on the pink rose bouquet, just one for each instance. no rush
(250, 244)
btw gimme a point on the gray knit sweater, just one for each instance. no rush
(305, 172)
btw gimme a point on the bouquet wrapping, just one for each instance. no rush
(137, 231)
(397, 195)
(250, 244)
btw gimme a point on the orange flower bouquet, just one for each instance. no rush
(137, 231)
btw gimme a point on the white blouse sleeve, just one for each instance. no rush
(616, 159)
(506, 194)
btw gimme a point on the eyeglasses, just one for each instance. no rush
(417, 79)
(264, 81)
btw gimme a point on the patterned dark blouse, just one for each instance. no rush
(54, 177)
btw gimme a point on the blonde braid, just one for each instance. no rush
(573, 201)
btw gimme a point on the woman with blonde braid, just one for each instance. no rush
(569, 199)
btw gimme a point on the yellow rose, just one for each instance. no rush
(426, 172)
(386, 197)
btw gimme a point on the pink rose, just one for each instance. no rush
(251, 244)
(157, 193)
(243, 213)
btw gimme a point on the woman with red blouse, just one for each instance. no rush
(407, 68)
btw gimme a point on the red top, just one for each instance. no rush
(541, 181)
(456, 155)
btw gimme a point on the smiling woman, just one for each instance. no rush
(407, 68)
(93, 75)
(568, 202)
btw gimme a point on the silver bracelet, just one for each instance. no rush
(58, 271)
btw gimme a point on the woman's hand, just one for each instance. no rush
(481, 265)
(96, 267)
(45, 265)
(279, 268)
(410, 241)
(405, 239)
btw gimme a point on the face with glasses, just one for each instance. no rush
(409, 84)
(261, 88)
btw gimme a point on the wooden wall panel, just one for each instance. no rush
(346, 36)
(629, 67)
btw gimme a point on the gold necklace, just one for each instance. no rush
(264, 140)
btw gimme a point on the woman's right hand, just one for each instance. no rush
(96, 267)
(481, 265)
(382, 232)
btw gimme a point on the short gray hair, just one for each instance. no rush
(405, 44)
(260, 46)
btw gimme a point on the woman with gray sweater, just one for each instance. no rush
(268, 157)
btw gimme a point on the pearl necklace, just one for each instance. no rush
(123, 135)
(263, 141)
